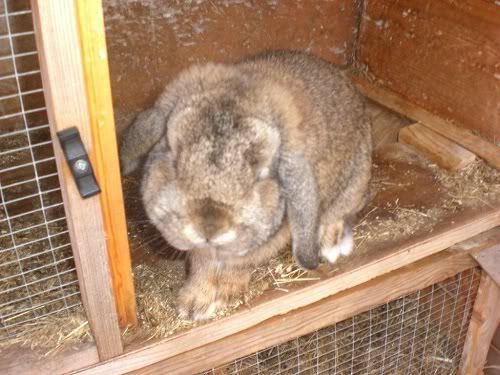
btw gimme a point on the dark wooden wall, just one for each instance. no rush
(443, 55)
(150, 41)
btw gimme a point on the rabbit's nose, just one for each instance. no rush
(213, 220)
(215, 230)
(210, 229)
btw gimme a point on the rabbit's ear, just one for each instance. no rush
(178, 120)
(302, 207)
(140, 137)
(265, 149)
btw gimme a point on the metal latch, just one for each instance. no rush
(78, 162)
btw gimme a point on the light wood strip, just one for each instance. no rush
(95, 64)
(64, 88)
(484, 322)
(16, 361)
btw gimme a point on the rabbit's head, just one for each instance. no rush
(211, 180)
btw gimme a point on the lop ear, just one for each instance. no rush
(149, 126)
(140, 137)
(265, 151)
(175, 123)
(302, 207)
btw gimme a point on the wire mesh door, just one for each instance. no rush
(420, 333)
(37, 272)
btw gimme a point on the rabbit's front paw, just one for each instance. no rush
(196, 302)
(338, 242)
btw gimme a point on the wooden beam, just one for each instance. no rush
(318, 315)
(95, 64)
(435, 147)
(16, 360)
(274, 303)
(486, 150)
(484, 322)
(65, 94)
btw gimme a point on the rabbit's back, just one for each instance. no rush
(334, 131)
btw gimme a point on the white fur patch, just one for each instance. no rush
(209, 313)
(344, 247)
(331, 254)
(192, 235)
(264, 173)
(346, 244)
(225, 237)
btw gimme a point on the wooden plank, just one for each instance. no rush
(493, 360)
(484, 321)
(318, 315)
(375, 264)
(435, 147)
(486, 150)
(180, 33)
(95, 64)
(440, 55)
(64, 88)
(15, 361)
(489, 259)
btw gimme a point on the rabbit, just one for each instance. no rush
(241, 159)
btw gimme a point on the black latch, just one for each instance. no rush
(78, 162)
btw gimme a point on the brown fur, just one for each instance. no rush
(275, 145)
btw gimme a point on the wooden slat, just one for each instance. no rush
(318, 315)
(16, 361)
(493, 360)
(441, 150)
(484, 321)
(441, 55)
(95, 63)
(64, 87)
(486, 150)
(375, 264)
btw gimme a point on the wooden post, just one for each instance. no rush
(482, 327)
(95, 65)
(64, 85)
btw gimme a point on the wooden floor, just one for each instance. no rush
(406, 183)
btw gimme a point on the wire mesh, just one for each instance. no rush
(37, 272)
(420, 333)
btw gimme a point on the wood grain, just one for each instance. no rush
(482, 148)
(95, 64)
(15, 361)
(181, 33)
(484, 321)
(493, 359)
(318, 315)
(440, 55)
(65, 93)
(489, 259)
(275, 303)
(441, 150)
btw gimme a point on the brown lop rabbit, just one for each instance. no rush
(242, 158)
